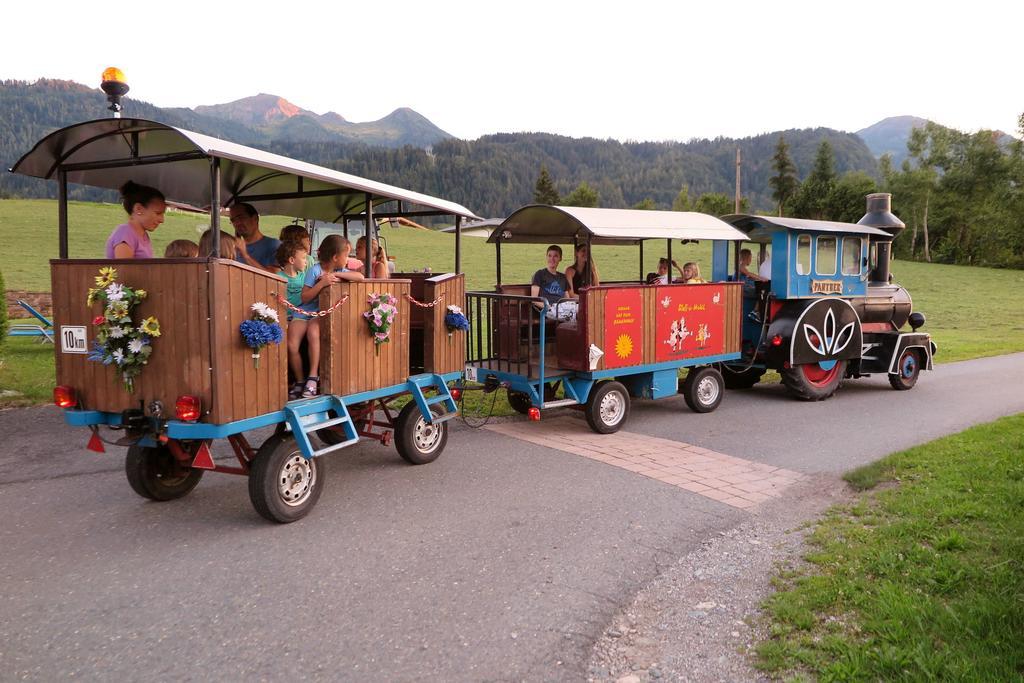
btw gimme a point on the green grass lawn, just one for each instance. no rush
(923, 580)
(971, 312)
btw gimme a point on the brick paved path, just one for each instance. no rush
(734, 481)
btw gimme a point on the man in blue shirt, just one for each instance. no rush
(254, 248)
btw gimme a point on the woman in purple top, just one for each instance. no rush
(145, 207)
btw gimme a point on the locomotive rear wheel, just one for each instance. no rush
(907, 370)
(812, 382)
(703, 389)
(607, 407)
(154, 473)
(419, 442)
(283, 485)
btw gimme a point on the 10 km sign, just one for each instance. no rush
(72, 339)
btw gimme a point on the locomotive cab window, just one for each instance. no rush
(825, 258)
(803, 255)
(851, 256)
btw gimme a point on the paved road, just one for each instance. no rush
(502, 560)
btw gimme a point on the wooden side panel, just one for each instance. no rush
(443, 352)
(650, 302)
(241, 390)
(349, 361)
(733, 311)
(179, 363)
(595, 322)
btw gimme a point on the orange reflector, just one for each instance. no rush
(777, 340)
(96, 443)
(65, 397)
(187, 408)
(203, 459)
(533, 414)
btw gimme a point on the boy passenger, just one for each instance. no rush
(333, 255)
(553, 287)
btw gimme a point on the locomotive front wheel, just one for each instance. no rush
(607, 407)
(283, 485)
(814, 381)
(703, 389)
(419, 441)
(154, 473)
(520, 402)
(907, 370)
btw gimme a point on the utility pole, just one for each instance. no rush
(738, 158)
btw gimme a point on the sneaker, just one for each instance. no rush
(295, 391)
(312, 387)
(754, 316)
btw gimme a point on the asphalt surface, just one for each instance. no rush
(501, 561)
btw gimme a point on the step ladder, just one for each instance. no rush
(309, 415)
(418, 383)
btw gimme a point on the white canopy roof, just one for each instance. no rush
(108, 152)
(538, 224)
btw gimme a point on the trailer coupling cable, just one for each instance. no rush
(295, 309)
(490, 411)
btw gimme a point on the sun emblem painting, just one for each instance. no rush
(624, 346)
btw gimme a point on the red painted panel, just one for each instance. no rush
(690, 321)
(623, 327)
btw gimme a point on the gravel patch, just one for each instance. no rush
(699, 619)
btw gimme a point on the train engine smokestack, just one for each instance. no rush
(880, 216)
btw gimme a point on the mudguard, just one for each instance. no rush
(912, 340)
(814, 331)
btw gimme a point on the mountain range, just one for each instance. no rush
(492, 174)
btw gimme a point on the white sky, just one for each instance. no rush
(633, 70)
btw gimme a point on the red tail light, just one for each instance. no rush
(534, 414)
(457, 394)
(777, 340)
(65, 397)
(188, 408)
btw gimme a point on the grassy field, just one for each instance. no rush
(971, 312)
(921, 581)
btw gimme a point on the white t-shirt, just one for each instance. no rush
(765, 270)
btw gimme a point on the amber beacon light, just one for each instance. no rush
(116, 87)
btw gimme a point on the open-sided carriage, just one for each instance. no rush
(202, 382)
(830, 309)
(627, 339)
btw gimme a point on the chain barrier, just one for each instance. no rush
(423, 305)
(295, 309)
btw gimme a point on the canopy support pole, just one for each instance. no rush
(62, 213)
(590, 263)
(669, 281)
(641, 260)
(368, 262)
(458, 245)
(497, 253)
(344, 227)
(215, 207)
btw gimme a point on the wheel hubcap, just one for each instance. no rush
(611, 408)
(426, 436)
(297, 479)
(707, 391)
(820, 376)
(909, 365)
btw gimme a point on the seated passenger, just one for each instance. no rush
(691, 274)
(332, 256)
(298, 233)
(378, 262)
(553, 287)
(254, 248)
(291, 255)
(661, 277)
(228, 245)
(145, 206)
(745, 258)
(576, 273)
(181, 249)
(765, 270)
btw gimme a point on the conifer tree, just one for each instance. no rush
(784, 183)
(544, 192)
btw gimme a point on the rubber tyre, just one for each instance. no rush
(810, 383)
(703, 389)
(744, 379)
(150, 473)
(283, 485)
(417, 441)
(908, 368)
(607, 407)
(520, 402)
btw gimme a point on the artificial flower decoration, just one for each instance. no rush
(118, 341)
(455, 321)
(380, 317)
(262, 328)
